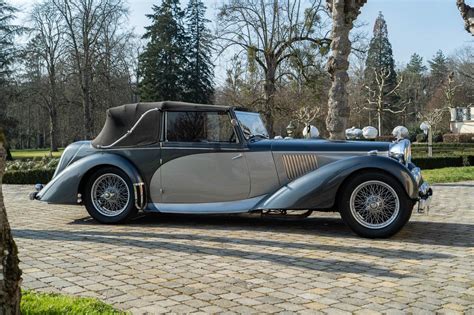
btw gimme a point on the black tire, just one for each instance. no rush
(125, 213)
(396, 220)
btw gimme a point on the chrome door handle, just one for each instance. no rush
(237, 156)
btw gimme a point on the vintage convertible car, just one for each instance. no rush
(173, 157)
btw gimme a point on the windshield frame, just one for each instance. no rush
(246, 135)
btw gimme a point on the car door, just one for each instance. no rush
(202, 159)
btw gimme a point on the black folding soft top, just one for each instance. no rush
(123, 118)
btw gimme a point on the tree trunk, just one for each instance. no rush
(53, 113)
(379, 118)
(86, 104)
(343, 14)
(53, 122)
(467, 14)
(10, 273)
(270, 91)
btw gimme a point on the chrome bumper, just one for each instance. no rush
(33, 195)
(425, 194)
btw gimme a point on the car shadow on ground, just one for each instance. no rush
(418, 232)
(221, 246)
(257, 248)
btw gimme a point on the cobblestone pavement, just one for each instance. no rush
(245, 264)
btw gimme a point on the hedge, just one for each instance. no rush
(459, 138)
(440, 162)
(42, 176)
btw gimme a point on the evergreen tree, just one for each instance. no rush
(8, 52)
(413, 88)
(164, 60)
(380, 76)
(200, 69)
(380, 55)
(416, 65)
(439, 68)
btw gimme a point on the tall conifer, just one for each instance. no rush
(439, 68)
(380, 55)
(200, 69)
(164, 61)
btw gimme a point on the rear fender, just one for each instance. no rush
(318, 189)
(64, 187)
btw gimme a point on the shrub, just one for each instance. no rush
(459, 137)
(439, 162)
(421, 137)
(470, 159)
(438, 137)
(385, 138)
(413, 131)
(26, 177)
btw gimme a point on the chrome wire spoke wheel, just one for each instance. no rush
(110, 195)
(374, 204)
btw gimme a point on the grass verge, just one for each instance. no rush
(30, 154)
(34, 303)
(449, 174)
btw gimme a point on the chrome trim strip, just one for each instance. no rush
(201, 148)
(138, 192)
(329, 152)
(237, 206)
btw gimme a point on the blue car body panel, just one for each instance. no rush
(318, 189)
(65, 185)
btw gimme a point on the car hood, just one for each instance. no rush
(305, 145)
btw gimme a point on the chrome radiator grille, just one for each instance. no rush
(297, 165)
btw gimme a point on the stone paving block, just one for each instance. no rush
(245, 265)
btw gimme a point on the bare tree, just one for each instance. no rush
(48, 44)
(268, 32)
(86, 21)
(467, 14)
(450, 91)
(306, 115)
(344, 13)
(10, 273)
(377, 97)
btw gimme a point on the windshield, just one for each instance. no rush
(252, 124)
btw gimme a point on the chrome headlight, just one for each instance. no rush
(401, 151)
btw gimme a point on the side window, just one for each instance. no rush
(199, 127)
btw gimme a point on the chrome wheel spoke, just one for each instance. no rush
(374, 204)
(110, 194)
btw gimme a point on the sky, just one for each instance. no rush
(421, 26)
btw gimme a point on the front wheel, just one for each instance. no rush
(109, 196)
(375, 205)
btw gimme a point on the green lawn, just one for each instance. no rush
(33, 303)
(29, 154)
(449, 174)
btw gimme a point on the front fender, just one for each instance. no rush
(64, 187)
(318, 189)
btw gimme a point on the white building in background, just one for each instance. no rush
(462, 120)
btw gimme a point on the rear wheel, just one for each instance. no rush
(375, 205)
(109, 196)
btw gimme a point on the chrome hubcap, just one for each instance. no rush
(110, 195)
(374, 204)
